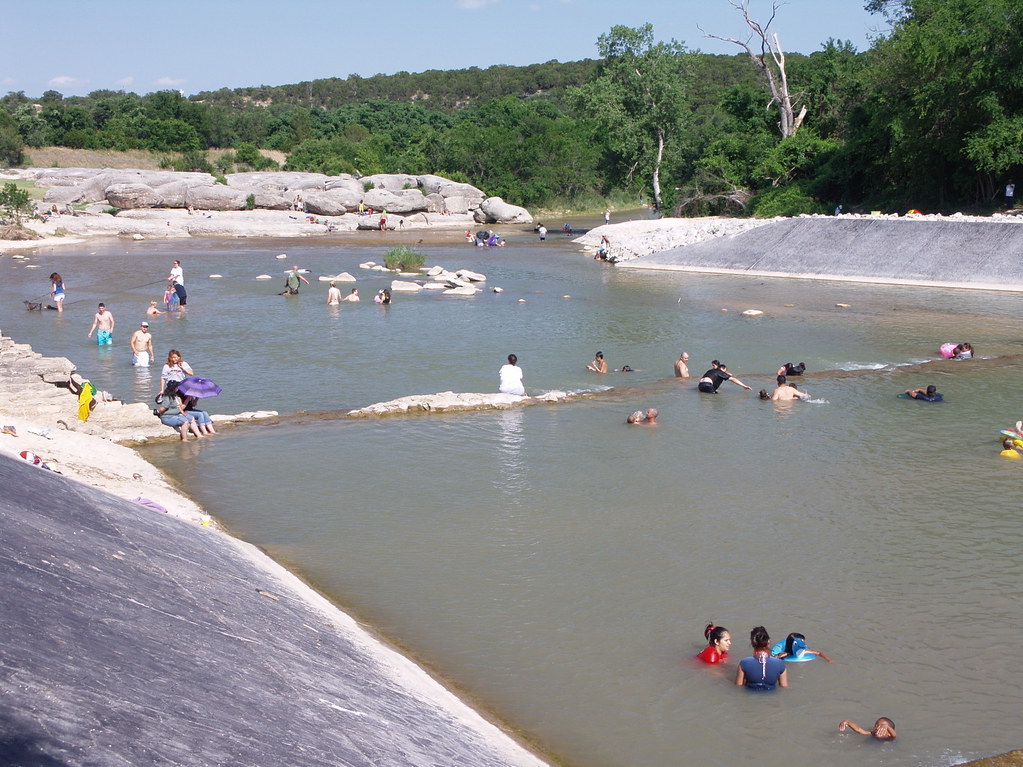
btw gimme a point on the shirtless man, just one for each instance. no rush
(152, 311)
(103, 323)
(884, 728)
(353, 296)
(682, 366)
(598, 365)
(333, 295)
(141, 346)
(787, 392)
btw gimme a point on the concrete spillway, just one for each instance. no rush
(984, 255)
(131, 638)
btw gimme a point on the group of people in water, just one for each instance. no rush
(766, 667)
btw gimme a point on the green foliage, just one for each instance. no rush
(14, 201)
(640, 101)
(404, 259)
(250, 202)
(791, 200)
(11, 144)
(192, 161)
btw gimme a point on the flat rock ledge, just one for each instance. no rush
(448, 402)
(44, 391)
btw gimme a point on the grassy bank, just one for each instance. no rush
(65, 157)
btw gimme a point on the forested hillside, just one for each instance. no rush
(931, 117)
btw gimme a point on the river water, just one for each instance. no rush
(558, 566)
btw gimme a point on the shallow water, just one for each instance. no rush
(558, 565)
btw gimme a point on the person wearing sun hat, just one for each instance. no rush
(141, 346)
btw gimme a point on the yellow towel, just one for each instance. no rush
(85, 400)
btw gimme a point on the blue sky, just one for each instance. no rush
(76, 47)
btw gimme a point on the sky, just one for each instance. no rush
(76, 47)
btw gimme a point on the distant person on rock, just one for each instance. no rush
(510, 378)
(1010, 195)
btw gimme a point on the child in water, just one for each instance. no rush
(884, 728)
(794, 647)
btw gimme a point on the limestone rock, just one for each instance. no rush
(63, 195)
(343, 277)
(494, 210)
(216, 197)
(461, 291)
(328, 203)
(128, 196)
(345, 182)
(752, 313)
(465, 274)
(456, 204)
(405, 287)
(392, 182)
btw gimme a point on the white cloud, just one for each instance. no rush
(64, 81)
(472, 5)
(170, 82)
(124, 82)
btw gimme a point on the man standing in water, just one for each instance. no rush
(141, 346)
(295, 279)
(177, 274)
(682, 366)
(787, 392)
(103, 324)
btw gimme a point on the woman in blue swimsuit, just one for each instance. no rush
(760, 671)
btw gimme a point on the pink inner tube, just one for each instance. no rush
(948, 350)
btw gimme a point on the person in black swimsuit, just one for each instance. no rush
(717, 375)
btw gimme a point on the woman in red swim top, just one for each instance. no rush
(718, 642)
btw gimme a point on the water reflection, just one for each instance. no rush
(511, 460)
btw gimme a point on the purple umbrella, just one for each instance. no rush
(198, 387)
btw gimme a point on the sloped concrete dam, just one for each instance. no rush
(945, 253)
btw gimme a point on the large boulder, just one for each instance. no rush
(271, 201)
(346, 182)
(392, 182)
(472, 195)
(455, 204)
(403, 286)
(381, 199)
(334, 203)
(129, 196)
(431, 184)
(494, 210)
(412, 200)
(277, 181)
(174, 194)
(63, 195)
(215, 197)
(435, 203)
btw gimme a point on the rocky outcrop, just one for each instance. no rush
(448, 401)
(216, 197)
(128, 196)
(494, 210)
(46, 389)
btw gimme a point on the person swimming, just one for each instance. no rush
(794, 647)
(718, 643)
(930, 394)
(884, 728)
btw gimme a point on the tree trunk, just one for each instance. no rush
(657, 171)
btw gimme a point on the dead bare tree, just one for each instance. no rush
(771, 62)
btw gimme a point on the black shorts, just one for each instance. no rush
(706, 387)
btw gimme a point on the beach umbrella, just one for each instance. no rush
(198, 387)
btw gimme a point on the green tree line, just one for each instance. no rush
(929, 117)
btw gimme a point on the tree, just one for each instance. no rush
(640, 100)
(771, 62)
(11, 143)
(14, 201)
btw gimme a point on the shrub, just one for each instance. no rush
(14, 201)
(367, 185)
(788, 200)
(404, 259)
(250, 202)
